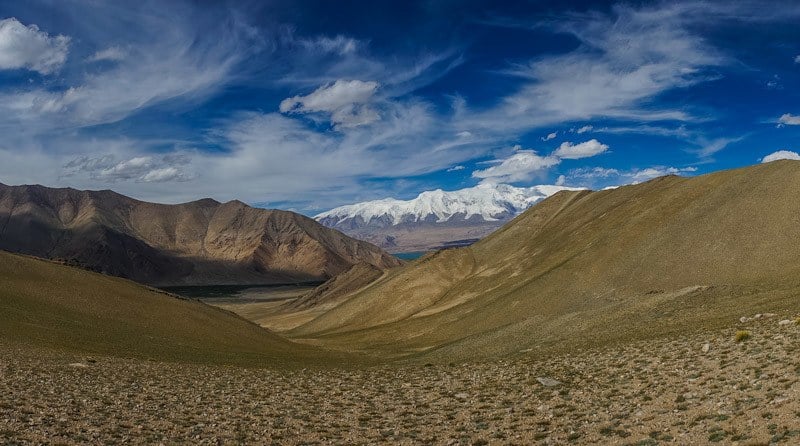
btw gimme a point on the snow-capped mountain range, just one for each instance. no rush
(486, 205)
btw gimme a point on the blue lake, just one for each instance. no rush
(410, 255)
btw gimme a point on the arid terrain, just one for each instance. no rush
(700, 389)
(202, 242)
(614, 317)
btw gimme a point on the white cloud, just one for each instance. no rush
(655, 172)
(347, 102)
(113, 54)
(781, 155)
(568, 150)
(602, 175)
(456, 168)
(561, 180)
(524, 165)
(550, 136)
(797, 59)
(789, 119)
(141, 169)
(30, 48)
(521, 166)
(584, 129)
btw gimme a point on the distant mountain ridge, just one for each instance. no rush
(201, 242)
(435, 218)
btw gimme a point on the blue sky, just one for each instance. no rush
(307, 105)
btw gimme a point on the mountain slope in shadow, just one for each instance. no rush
(202, 242)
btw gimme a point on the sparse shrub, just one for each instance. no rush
(742, 335)
(797, 320)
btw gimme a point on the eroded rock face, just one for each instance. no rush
(202, 242)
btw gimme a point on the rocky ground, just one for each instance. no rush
(705, 388)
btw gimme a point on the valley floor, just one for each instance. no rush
(647, 393)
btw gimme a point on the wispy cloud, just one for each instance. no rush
(603, 177)
(331, 113)
(165, 60)
(144, 169)
(709, 147)
(113, 54)
(625, 60)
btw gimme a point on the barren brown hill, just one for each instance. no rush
(672, 255)
(332, 292)
(202, 242)
(54, 307)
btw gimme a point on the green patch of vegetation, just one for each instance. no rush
(742, 335)
(717, 434)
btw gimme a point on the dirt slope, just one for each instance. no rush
(585, 268)
(339, 288)
(202, 242)
(57, 307)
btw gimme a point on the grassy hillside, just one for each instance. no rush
(45, 305)
(670, 256)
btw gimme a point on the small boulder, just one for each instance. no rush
(786, 322)
(706, 347)
(548, 382)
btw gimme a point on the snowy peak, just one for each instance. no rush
(485, 202)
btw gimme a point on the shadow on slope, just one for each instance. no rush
(51, 306)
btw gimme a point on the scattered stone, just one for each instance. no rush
(654, 389)
(548, 382)
(785, 322)
(744, 319)
(706, 347)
